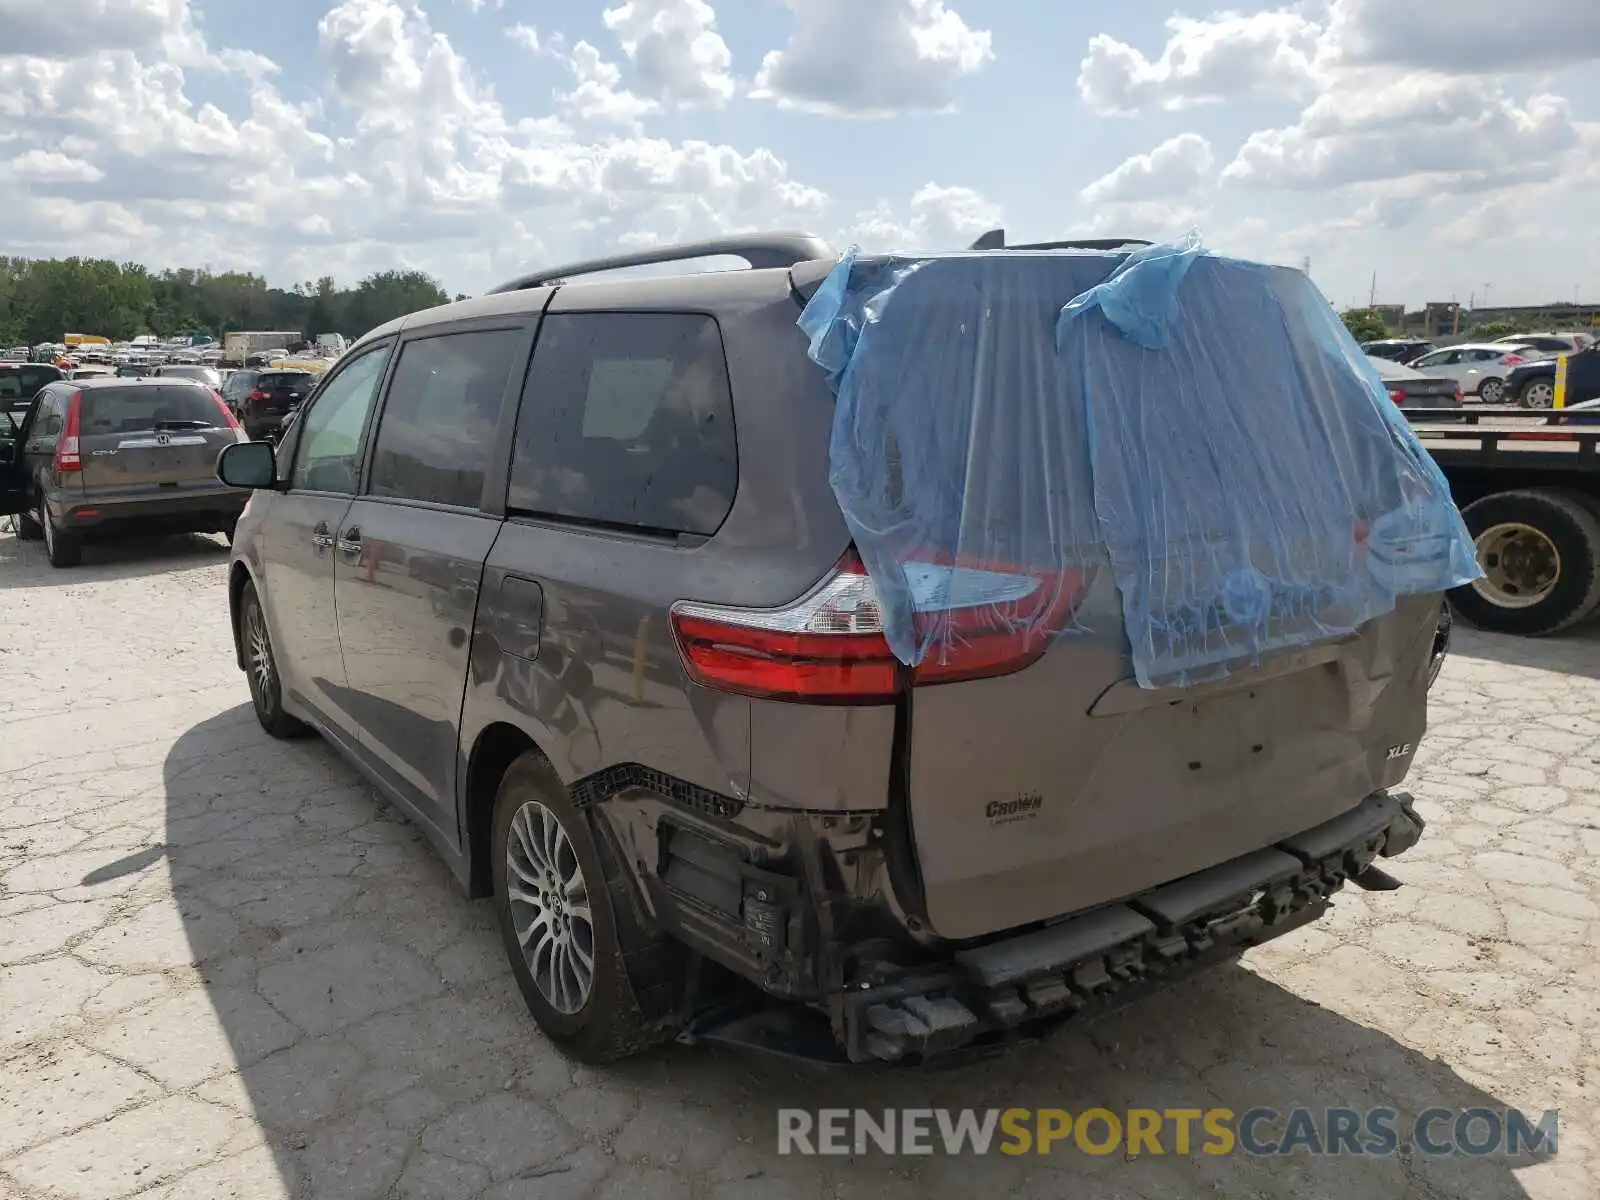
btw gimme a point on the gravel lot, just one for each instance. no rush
(227, 970)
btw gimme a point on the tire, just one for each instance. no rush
(261, 669)
(1550, 521)
(1492, 391)
(61, 549)
(625, 1005)
(1537, 393)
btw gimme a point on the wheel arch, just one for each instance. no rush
(238, 576)
(497, 746)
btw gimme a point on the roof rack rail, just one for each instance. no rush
(760, 250)
(995, 239)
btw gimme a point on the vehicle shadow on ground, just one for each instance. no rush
(23, 564)
(1574, 652)
(381, 1049)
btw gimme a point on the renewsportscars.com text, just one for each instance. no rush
(1436, 1132)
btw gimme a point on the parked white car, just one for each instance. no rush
(1479, 368)
(1551, 343)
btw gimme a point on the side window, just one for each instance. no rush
(440, 414)
(627, 419)
(49, 420)
(328, 452)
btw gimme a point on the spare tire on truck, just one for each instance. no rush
(1540, 554)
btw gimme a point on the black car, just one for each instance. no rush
(1533, 384)
(266, 398)
(20, 383)
(1400, 350)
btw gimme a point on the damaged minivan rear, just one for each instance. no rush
(884, 659)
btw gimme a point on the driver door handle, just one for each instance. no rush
(320, 537)
(350, 541)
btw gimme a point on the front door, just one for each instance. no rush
(299, 530)
(411, 551)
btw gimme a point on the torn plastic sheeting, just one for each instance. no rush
(1204, 426)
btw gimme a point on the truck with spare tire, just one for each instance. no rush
(1529, 490)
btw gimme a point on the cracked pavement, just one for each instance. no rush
(228, 970)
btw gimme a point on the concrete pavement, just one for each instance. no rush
(227, 970)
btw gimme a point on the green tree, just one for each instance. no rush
(42, 299)
(1489, 330)
(1364, 324)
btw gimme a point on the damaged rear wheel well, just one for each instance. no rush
(496, 749)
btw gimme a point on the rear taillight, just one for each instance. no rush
(1398, 395)
(1512, 360)
(68, 457)
(256, 396)
(829, 647)
(1461, 397)
(228, 418)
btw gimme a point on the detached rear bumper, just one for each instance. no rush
(992, 995)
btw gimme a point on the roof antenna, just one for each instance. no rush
(995, 239)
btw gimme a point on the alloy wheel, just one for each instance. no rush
(263, 673)
(1540, 395)
(1491, 391)
(550, 911)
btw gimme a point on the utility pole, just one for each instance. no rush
(1372, 296)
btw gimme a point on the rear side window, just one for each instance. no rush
(627, 419)
(285, 381)
(131, 409)
(440, 416)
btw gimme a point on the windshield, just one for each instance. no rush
(129, 409)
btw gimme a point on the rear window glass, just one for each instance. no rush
(286, 380)
(127, 409)
(627, 419)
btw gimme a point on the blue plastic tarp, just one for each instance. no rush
(1009, 422)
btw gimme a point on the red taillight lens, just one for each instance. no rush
(68, 457)
(228, 418)
(256, 396)
(1398, 395)
(1512, 360)
(829, 647)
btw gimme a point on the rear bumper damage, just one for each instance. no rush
(970, 1000)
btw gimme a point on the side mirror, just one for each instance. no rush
(248, 465)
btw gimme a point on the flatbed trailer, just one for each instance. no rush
(1528, 486)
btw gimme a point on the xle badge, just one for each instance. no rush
(1020, 808)
(1400, 751)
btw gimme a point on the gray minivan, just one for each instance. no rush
(560, 570)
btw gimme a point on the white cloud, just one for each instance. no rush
(675, 49)
(49, 166)
(408, 160)
(1381, 128)
(938, 218)
(1175, 168)
(525, 36)
(872, 58)
(1480, 36)
(1229, 56)
(598, 96)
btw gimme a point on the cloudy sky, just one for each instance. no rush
(1452, 147)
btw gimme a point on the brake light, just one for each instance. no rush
(829, 647)
(1398, 395)
(68, 457)
(256, 396)
(228, 418)
(1513, 360)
